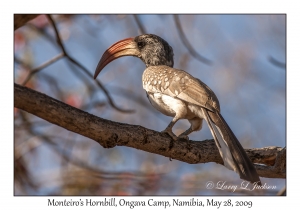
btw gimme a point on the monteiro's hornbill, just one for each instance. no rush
(176, 93)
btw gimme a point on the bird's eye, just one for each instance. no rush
(140, 44)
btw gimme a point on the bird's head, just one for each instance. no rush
(151, 49)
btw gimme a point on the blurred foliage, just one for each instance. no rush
(247, 73)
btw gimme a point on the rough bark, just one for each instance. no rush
(110, 134)
(21, 19)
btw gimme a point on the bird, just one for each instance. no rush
(178, 94)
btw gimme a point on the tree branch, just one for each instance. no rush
(21, 19)
(105, 91)
(110, 134)
(187, 43)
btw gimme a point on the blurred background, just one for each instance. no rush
(242, 58)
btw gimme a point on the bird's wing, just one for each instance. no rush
(192, 90)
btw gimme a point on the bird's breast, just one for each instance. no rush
(163, 103)
(157, 78)
(171, 106)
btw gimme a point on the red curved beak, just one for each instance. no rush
(125, 47)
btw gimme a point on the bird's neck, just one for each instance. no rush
(156, 60)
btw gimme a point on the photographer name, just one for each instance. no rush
(223, 185)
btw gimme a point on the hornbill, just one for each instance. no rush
(178, 94)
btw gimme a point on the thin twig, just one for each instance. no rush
(58, 40)
(141, 27)
(78, 73)
(41, 67)
(277, 63)
(187, 43)
(111, 102)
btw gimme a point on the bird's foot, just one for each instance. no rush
(170, 133)
(185, 137)
(173, 136)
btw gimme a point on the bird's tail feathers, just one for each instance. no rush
(232, 152)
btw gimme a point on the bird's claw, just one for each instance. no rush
(173, 136)
(170, 133)
(185, 137)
